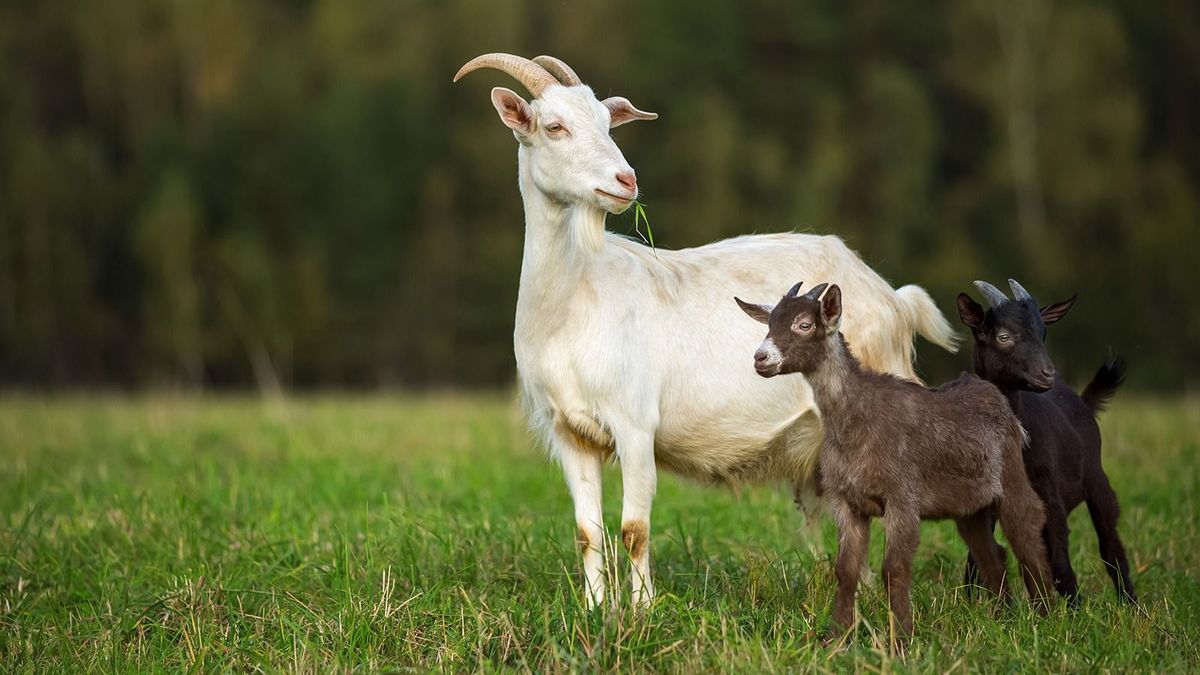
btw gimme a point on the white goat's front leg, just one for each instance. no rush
(639, 480)
(583, 470)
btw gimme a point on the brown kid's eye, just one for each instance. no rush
(806, 326)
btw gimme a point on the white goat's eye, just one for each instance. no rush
(554, 128)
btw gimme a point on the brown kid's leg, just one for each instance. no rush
(976, 531)
(853, 537)
(903, 530)
(1022, 519)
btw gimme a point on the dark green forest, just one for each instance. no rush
(293, 194)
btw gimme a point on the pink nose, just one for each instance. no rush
(628, 179)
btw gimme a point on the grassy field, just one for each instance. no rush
(402, 533)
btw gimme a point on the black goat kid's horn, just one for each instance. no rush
(1018, 291)
(995, 296)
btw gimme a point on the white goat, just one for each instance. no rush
(621, 350)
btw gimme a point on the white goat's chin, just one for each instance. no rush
(613, 203)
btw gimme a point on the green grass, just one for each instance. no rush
(385, 533)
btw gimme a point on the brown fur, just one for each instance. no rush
(582, 538)
(586, 432)
(635, 535)
(897, 450)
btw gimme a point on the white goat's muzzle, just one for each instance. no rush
(615, 202)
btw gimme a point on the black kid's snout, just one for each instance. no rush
(1043, 378)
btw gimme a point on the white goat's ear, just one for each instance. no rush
(831, 307)
(514, 111)
(621, 111)
(760, 313)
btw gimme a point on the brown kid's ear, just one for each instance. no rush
(760, 313)
(514, 111)
(621, 111)
(970, 312)
(1052, 313)
(831, 307)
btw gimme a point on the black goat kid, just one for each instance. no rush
(1062, 457)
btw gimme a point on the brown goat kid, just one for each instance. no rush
(897, 450)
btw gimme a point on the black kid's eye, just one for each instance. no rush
(1003, 337)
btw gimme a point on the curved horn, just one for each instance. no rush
(1018, 291)
(794, 290)
(558, 69)
(816, 291)
(994, 296)
(532, 76)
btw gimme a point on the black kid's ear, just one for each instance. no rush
(831, 307)
(760, 313)
(514, 111)
(621, 111)
(970, 312)
(1052, 313)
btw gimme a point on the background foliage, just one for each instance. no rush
(293, 194)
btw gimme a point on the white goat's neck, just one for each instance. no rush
(561, 239)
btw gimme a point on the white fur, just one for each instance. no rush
(623, 350)
(773, 357)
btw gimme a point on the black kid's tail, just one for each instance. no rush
(1104, 384)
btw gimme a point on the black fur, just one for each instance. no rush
(1062, 458)
(1104, 384)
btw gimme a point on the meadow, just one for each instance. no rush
(416, 533)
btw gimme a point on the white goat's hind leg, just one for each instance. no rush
(812, 508)
(583, 470)
(639, 480)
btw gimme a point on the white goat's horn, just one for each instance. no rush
(994, 296)
(532, 76)
(1019, 292)
(558, 69)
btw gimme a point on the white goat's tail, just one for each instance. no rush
(925, 318)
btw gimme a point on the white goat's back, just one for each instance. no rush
(660, 332)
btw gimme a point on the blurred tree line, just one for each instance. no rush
(292, 193)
